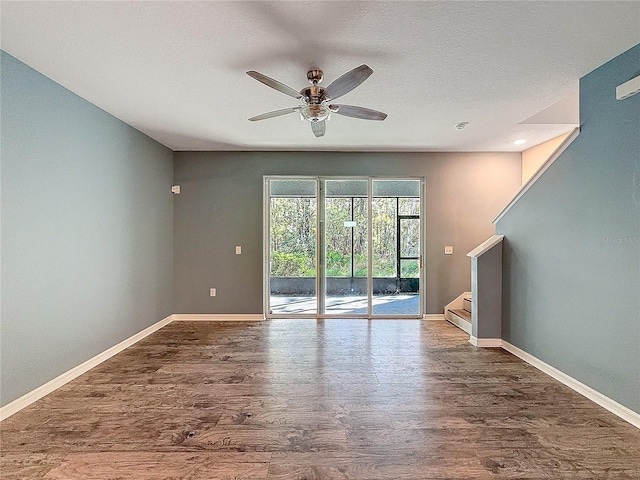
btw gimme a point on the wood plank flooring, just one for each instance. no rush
(316, 400)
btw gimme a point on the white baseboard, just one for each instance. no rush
(485, 342)
(433, 316)
(218, 317)
(43, 390)
(614, 407)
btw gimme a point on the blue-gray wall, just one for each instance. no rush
(572, 251)
(87, 230)
(221, 206)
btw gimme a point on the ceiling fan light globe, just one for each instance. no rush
(315, 113)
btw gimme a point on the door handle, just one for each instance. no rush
(420, 261)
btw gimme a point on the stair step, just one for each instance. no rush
(463, 314)
(466, 304)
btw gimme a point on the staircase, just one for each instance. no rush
(458, 312)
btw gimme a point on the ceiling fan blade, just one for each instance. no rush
(270, 82)
(347, 82)
(358, 112)
(275, 113)
(319, 128)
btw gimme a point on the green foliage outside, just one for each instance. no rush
(299, 265)
(293, 237)
(292, 265)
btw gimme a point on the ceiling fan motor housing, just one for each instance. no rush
(313, 94)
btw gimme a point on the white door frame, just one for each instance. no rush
(320, 246)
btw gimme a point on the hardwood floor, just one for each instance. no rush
(307, 399)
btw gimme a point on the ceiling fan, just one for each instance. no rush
(316, 108)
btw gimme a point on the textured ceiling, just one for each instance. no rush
(176, 70)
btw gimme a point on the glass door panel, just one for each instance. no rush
(409, 253)
(292, 247)
(395, 207)
(409, 235)
(345, 247)
(361, 238)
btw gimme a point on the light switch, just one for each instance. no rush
(238, 250)
(448, 249)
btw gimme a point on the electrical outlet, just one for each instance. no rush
(448, 249)
(212, 292)
(238, 250)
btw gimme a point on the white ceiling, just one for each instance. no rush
(176, 70)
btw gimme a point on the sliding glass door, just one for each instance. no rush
(396, 253)
(291, 239)
(345, 240)
(343, 247)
